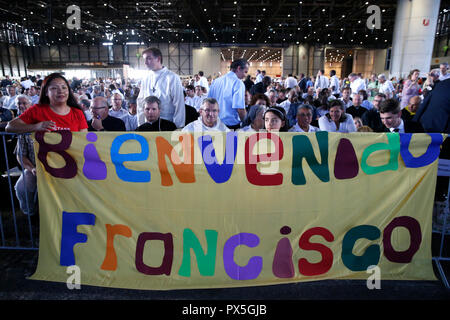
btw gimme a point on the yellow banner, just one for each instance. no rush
(174, 210)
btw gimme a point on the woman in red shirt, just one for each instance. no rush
(57, 110)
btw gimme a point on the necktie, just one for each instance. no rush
(396, 130)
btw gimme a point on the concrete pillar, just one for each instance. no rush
(318, 59)
(303, 59)
(413, 38)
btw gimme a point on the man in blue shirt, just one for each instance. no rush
(229, 91)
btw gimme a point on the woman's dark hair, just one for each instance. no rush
(252, 113)
(281, 113)
(363, 93)
(334, 103)
(43, 99)
(259, 96)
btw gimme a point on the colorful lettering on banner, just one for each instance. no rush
(227, 221)
(183, 170)
(313, 269)
(282, 265)
(415, 233)
(70, 236)
(166, 264)
(110, 261)
(206, 262)
(302, 148)
(393, 147)
(251, 160)
(69, 170)
(219, 173)
(372, 254)
(235, 271)
(94, 168)
(118, 159)
(346, 164)
(427, 158)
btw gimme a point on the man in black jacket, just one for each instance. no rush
(434, 112)
(391, 117)
(261, 87)
(371, 118)
(101, 120)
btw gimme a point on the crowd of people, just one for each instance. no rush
(238, 101)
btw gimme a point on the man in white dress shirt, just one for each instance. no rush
(334, 83)
(190, 96)
(322, 81)
(209, 118)
(164, 84)
(32, 93)
(200, 95)
(202, 81)
(259, 76)
(118, 112)
(304, 119)
(386, 86)
(356, 83)
(290, 82)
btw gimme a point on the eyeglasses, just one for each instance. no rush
(210, 111)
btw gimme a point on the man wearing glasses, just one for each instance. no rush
(101, 120)
(371, 117)
(209, 118)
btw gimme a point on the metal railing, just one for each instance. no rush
(17, 229)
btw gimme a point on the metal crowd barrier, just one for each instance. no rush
(441, 222)
(17, 229)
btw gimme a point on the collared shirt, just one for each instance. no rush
(347, 104)
(297, 128)
(444, 77)
(291, 82)
(400, 128)
(10, 103)
(34, 99)
(334, 83)
(229, 91)
(198, 101)
(259, 78)
(190, 101)
(199, 126)
(357, 85)
(203, 82)
(322, 82)
(129, 120)
(387, 88)
(166, 85)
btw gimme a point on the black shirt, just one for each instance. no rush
(158, 125)
(372, 119)
(110, 124)
(356, 112)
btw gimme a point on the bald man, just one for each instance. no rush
(410, 110)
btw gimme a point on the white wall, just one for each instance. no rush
(206, 60)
